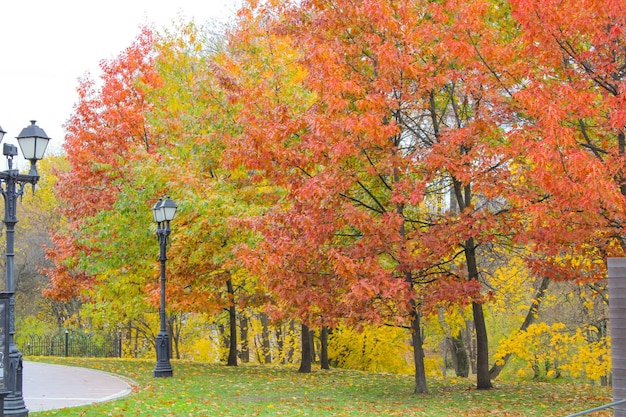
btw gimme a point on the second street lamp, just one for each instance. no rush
(33, 141)
(163, 212)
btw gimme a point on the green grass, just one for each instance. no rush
(215, 390)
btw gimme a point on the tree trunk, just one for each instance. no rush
(324, 348)
(174, 348)
(312, 344)
(136, 346)
(305, 362)
(244, 354)
(224, 342)
(290, 348)
(280, 342)
(174, 327)
(470, 343)
(460, 358)
(483, 379)
(418, 351)
(265, 340)
(495, 370)
(232, 318)
(416, 328)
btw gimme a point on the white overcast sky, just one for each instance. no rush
(45, 46)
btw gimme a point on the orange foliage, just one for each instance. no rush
(107, 129)
(366, 110)
(105, 133)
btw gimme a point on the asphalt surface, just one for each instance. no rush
(46, 387)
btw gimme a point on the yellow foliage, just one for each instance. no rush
(590, 359)
(456, 319)
(449, 321)
(375, 349)
(511, 286)
(550, 350)
(202, 349)
(279, 352)
(433, 365)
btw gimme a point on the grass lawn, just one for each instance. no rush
(215, 390)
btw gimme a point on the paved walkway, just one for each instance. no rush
(46, 386)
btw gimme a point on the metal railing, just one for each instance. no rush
(600, 408)
(69, 344)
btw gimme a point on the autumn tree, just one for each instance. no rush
(386, 116)
(573, 103)
(246, 69)
(191, 108)
(366, 159)
(103, 248)
(156, 110)
(570, 105)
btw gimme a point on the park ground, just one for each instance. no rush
(199, 389)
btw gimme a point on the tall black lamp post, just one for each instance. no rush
(33, 141)
(163, 212)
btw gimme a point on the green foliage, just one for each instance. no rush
(35, 326)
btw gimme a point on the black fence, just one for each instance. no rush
(70, 344)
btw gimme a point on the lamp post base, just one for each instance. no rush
(20, 409)
(162, 373)
(14, 402)
(163, 367)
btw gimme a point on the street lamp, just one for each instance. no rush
(163, 212)
(33, 141)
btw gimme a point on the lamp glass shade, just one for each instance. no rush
(33, 141)
(157, 213)
(169, 209)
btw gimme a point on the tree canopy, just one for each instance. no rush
(352, 163)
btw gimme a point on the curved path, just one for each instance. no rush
(47, 386)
